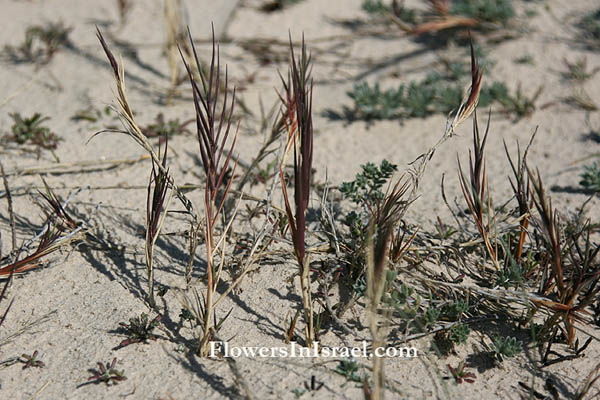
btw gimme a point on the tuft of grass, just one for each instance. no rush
(30, 130)
(578, 70)
(475, 191)
(60, 230)
(40, 43)
(590, 178)
(573, 270)
(297, 105)
(139, 329)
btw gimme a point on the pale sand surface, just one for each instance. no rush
(83, 295)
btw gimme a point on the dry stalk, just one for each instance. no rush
(133, 130)
(176, 35)
(11, 213)
(156, 211)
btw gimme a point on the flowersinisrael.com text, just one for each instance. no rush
(294, 350)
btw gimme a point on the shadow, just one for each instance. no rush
(348, 116)
(572, 190)
(593, 136)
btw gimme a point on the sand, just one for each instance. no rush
(72, 307)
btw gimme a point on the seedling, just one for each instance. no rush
(526, 59)
(107, 374)
(30, 130)
(139, 329)
(90, 114)
(506, 347)
(519, 104)
(590, 178)
(40, 44)
(31, 360)
(166, 129)
(348, 368)
(460, 374)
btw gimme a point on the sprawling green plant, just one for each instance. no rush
(484, 10)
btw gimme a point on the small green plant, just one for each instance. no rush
(364, 191)
(431, 316)
(496, 11)
(366, 187)
(379, 8)
(375, 7)
(107, 374)
(372, 103)
(519, 104)
(162, 128)
(511, 275)
(90, 114)
(299, 391)
(460, 374)
(31, 131)
(139, 329)
(31, 360)
(40, 44)
(578, 70)
(455, 310)
(439, 92)
(525, 59)
(506, 347)
(459, 333)
(349, 369)
(590, 178)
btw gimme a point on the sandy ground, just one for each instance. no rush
(72, 308)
